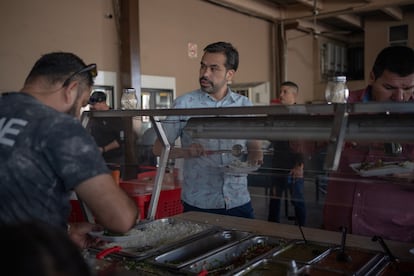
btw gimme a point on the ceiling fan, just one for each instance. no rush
(316, 30)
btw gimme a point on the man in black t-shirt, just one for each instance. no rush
(105, 130)
(46, 154)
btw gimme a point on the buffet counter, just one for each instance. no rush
(239, 246)
(333, 126)
(399, 249)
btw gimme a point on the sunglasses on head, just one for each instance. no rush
(91, 68)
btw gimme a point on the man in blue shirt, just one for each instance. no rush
(205, 186)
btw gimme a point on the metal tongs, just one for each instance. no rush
(236, 151)
(342, 256)
(385, 248)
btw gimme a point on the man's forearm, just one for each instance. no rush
(111, 146)
(254, 150)
(174, 152)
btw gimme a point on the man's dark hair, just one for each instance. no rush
(97, 97)
(396, 59)
(57, 67)
(291, 84)
(231, 53)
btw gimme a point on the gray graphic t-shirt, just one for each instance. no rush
(44, 154)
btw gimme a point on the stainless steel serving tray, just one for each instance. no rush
(399, 267)
(152, 237)
(303, 252)
(362, 262)
(269, 267)
(312, 270)
(199, 248)
(234, 258)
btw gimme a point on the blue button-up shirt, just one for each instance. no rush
(205, 184)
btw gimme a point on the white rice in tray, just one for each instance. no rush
(159, 233)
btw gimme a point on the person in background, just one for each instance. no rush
(381, 206)
(105, 130)
(391, 77)
(145, 144)
(288, 164)
(206, 187)
(45, 153)
(39, 249)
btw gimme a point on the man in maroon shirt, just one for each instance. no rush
(379, 205)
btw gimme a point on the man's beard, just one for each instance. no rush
(74, 110)
(210, 89)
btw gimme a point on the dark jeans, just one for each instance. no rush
(295, 189)
(244, 211)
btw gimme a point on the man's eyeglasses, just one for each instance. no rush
(91, 68)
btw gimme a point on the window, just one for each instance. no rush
(355, 63)
(398, 35)
(334, 60)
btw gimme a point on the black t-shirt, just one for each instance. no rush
(284, 157)
(105, 130)
(44, 154)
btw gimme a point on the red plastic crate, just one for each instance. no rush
(76, 214)
(169, 203)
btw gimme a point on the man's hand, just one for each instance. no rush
(297, 171)
(195, 150)
(78, 232)
(254, 152)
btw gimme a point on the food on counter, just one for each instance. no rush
(184, 254)
(238, 167)
(318, 271)
(371, 165)
(398, 268)
(303, 252)
(358, 259)
(268, 268)
(155, 234)
(235, 257)
(381, 168)
(239, 164)
(240, 260)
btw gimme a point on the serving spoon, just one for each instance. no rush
(385, 248)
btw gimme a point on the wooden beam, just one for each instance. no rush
(351, 19)
(255, 8)
(130, 51)
(311, 4)
(394, 12)
(130, 68)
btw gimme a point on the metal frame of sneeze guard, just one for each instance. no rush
(334, 123)
(336, 140)
(161, 168)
